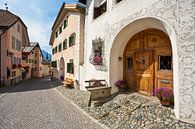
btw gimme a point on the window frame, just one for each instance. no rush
(98, 11)
(13, 42)
(65, 44)
(72, 39)
(159, 63)
(60, 47)
(65, 23)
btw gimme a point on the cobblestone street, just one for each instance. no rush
(128, 111)
(34, 104)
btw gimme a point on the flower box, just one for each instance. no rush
(165, 95)
(19, 66)
(14, 66)
(96, 60)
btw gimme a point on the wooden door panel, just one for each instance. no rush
(129, 71)
(144, 71)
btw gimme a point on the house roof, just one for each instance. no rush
(7, 19)
(27, 49)
(36, 44)
(65, 8)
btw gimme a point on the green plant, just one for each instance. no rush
(122, 85)
(164, 94)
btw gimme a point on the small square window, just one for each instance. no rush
(99, 9)
(60, 29)
(65, 44)
(65, 23)
(56, 34)
(129, 62)
(60, 47)
(165, 62)
(18, 28)
(117, 1)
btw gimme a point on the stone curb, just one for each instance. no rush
(84, 112)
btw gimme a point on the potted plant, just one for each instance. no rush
(165, 96)
(14, 66)
(122, 85)
(19, 65)
(97, 60)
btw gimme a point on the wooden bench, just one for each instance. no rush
(96, 83)
(68, 82)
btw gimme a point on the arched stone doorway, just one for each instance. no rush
(62, 69)
(147, 61)
(124, 33)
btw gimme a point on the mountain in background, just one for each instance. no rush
(46, 56)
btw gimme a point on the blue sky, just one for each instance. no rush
(38, 15)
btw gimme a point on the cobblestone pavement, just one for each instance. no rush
(34, 104)
(129, 111)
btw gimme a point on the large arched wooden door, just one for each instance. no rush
(148, 61)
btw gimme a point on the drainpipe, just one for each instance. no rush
(1, 32)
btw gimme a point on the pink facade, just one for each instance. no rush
(12, 41)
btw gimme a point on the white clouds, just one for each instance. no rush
(38, 15)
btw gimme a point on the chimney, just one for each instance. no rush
(6, 7)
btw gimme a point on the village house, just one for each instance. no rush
(13, 35)
(38, 66)
(34, 63)
(67, 41)
(28, 63)
(150, 44)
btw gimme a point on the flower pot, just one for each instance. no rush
(165, 103)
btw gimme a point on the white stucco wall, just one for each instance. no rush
(75, 52)
(120, 22)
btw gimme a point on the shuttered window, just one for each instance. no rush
(65, 23)
(70, 68)
(72, 39)
(60, 47)
(65, 44)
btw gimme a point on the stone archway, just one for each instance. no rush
(147, 61)
(120, 39)
(62, 69)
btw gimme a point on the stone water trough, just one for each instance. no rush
(99, 91)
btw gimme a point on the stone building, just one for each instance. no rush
(13, 35)
(149, 43)
(38, 58)
(67, 41)
(28, 63)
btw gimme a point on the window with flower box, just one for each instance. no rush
(96, 57)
